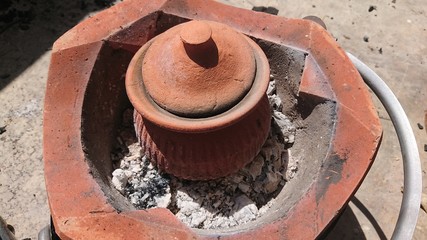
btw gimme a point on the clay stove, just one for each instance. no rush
(86, 97)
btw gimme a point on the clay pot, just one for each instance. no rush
(198, 90)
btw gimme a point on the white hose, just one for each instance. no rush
(411, 200)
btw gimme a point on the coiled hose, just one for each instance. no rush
(411, 200)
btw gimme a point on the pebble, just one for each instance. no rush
(244, 187)
(287, 129)
(163, 201)
(245, 208)
(271, 182)
(271, 88)
(255, 168)
(119, 179)
(188, 207)
(275, 102)
(197, 219)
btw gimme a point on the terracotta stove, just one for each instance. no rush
(94, 64)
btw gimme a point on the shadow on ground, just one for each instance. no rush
(28, 28)
(347, 226)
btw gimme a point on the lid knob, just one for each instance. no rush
(195, 33)
(198, 69)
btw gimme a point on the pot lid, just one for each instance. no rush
(198, 69)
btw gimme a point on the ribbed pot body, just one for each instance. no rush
(206, 155)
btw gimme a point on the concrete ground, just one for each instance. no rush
(389, 36)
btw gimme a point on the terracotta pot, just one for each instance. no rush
(198, 89)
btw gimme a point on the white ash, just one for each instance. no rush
(137, 179)
(134, 176)
(222, 203)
